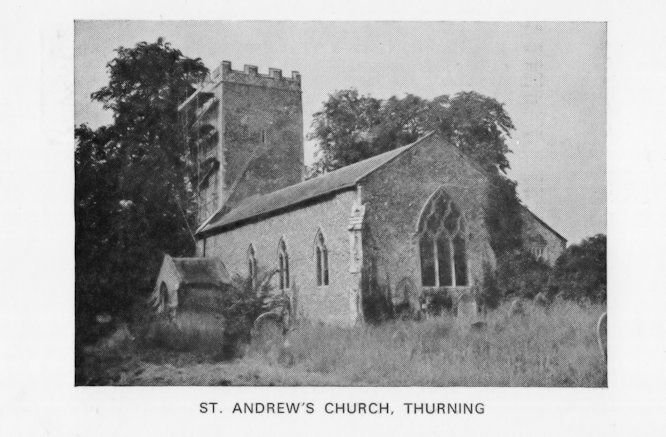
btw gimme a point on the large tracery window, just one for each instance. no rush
(442, 244)
(321, 254)
(283, 262)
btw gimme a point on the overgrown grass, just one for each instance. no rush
(188, 332)
(554, 346)
(545, 347)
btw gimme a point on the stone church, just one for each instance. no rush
(407, 224)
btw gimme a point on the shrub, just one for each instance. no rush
(490, 294)
(439, 303)
(521, 274)
(242, 305)
(580, 273)
(377, 306)
(188, 332)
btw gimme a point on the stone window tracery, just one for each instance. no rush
(442, 244)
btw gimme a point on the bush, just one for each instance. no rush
(521, 274)
(439, 303)
(188, 332)
(490, 294)
(580, 273)
(377, 306)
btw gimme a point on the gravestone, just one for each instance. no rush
(268, 333)
(602, 334)
(541, 299)
(517, 308)
(466, 307)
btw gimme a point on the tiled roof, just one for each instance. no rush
(202, 271)
(341, 179)
(557, 234)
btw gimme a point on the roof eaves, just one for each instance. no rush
(546, 225)
(405, 149)
(204, 232)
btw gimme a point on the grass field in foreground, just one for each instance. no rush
(554, 346)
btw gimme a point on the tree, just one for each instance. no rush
(352, 127)
(132, 196)
(580, 272)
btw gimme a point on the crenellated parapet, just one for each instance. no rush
(250, 76)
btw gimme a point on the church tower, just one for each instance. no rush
(246, 131)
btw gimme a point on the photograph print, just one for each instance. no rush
(360, 203)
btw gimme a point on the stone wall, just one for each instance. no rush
(263, 138)
(249, 131)
(542, 241)
(330, 304)
(396, 194)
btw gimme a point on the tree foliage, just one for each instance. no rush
(521, 274)
(132, 196)
(580, 272)
(351, 127)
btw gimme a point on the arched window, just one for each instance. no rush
(164, 296)
(442, 243)
(321, 253)
(283, 262)
(252, 265)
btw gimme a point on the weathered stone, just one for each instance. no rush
(268, 333)
(466, 307)
(400, 337)
(602, 335)
(479, 326)
(517, 308)
(541, 299)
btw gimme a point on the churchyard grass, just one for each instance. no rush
(547, 346)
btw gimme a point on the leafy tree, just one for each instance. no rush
(131, 190)
(351, 127)
(521, 274)
(580, 272)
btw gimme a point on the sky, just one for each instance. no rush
(551, 77)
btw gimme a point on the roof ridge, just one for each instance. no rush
(318, 180)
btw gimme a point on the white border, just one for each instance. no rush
(36, 315)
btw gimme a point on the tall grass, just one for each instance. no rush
(545, 347)
(189, 332)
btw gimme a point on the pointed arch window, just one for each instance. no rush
(442, 244)
(252, 265)
(283, 263)
(321, 254)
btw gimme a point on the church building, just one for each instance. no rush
(407, 224)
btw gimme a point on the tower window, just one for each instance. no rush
(252, 266)
(283, 262)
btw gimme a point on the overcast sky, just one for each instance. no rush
(550, 76)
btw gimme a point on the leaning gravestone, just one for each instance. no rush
(541, 299)
(517, 308)
(467, 309)
(602, 334)
(268, 333)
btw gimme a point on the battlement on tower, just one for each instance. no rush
(250, 76)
